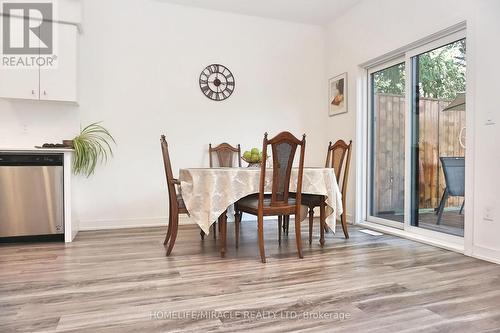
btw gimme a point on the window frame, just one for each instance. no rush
(364, 132)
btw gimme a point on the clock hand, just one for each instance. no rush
(219, 81)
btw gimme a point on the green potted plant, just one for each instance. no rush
(92, 145)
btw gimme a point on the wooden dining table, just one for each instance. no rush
(209, 192)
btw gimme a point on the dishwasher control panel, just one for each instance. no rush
(17, 159)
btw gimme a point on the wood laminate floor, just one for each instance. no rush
(120, 281)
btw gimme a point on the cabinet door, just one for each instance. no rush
(58, 83)
(18, 81)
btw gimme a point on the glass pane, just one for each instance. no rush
(387, 143)
(438, 147)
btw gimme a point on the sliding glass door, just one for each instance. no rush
(438, 147)
(416, 139)
(387, 144)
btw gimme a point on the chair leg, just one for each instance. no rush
(260, 229)
(298, 236)
(237, 221)
(169, 228)
(441, 206)
(462, 208)
(223, 234)
(284, 224)
(325, 228)
(343, 218)
(311, 220)
(280, 222)
(322, 223)
(215, 228)
(173, 236)
(287, 218)
(202, 234)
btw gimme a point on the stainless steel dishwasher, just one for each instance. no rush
(31, 197)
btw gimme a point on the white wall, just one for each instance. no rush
(138, 73)
(374, 28)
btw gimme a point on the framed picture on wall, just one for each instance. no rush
(337, 87)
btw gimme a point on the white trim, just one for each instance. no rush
(404, 54)
(386, 222)
(361, 145)
(437, 43)
(105, 224)
(415, 237)
(144, 222)
(485, 253)
(469, 134)
(70, 225)
(408, 140)
(431, 234)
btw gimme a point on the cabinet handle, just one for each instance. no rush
(32, 92)
(44, 92)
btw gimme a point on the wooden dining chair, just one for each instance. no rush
(176, 203)
(226, 155)
(338, 157)
(278, 202)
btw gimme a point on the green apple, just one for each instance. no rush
(255, 158)
(247, 155)
(255, 151)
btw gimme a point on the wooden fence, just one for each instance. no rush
(439, 132)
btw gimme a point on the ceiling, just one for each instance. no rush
(305, 11)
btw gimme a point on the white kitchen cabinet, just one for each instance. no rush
(57, 83)
(18, 82)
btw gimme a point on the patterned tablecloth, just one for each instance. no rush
(208, 192)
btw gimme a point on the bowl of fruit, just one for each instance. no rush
(252, 157)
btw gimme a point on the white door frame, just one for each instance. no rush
(363, 125)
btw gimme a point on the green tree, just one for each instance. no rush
(390, 80)
(441, 73)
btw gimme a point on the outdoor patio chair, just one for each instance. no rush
(454, 176)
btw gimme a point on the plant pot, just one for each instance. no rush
(68, 143)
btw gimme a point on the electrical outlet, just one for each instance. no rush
(488, 214)
(490, 119)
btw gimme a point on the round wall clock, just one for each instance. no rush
(217, 82)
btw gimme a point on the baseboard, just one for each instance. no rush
(486, 253)
(105, 224)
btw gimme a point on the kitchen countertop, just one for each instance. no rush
(35, 150)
